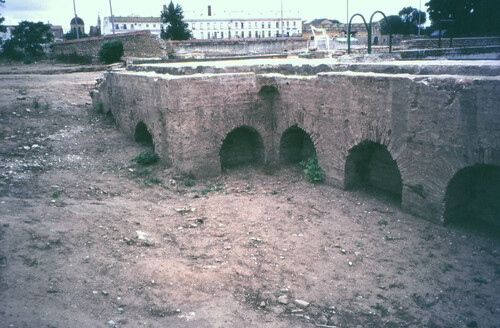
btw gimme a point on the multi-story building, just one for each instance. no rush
(237, 27)
(126, 24)
(233, 25)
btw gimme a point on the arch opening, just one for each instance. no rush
(472, 197)
(370, 167)
(142, 135)
(295, 146)
(242, 146)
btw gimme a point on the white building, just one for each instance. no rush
(131, 24)
(232, 25)
(237, 27)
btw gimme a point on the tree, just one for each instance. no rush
(27, 39)
(405, 23)
(470, 17)
(411, 19)
(397, 25)
(177, 28)
(2, 28)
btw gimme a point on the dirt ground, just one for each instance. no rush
(89, 239)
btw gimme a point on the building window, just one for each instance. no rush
(222, 35)
(277, 24)
(268, 24)
(124, 26)
(147, 25)
(287, 24)
(208, 34)
(242, 26)
(269, 33)
(117, 27)
(140, 24)
(249, 34)
(262, 25)
(154, 25)
(294, 24)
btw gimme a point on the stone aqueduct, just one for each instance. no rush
(428, 133)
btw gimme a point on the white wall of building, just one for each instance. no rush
(244, 28)
(212, 27)
(132, 24)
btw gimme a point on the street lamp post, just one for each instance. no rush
(419, 11)
(112, 17)
(76, 22)
(281, 23)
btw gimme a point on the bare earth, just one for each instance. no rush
(88, 239)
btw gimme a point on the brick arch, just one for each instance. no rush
(241, 146)
(142, 134)
(370, 165)
(471, 196)
(295, 145)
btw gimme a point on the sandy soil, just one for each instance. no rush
(88, 239)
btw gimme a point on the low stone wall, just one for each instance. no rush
(456, 42)
(135, 44)
(214, 48)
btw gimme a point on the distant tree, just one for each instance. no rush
(405, 23)
(27, 39)
(2, 19)
(471, 17)
(335, 21)
(177, 28)
(397, 25)
(71, 35)
(410, 17)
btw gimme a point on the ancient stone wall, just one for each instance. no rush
(135, 44)
(432, 126)
(212, 48)
(456, 42)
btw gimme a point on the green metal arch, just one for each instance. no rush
(349, 30)
(370, 32)
(369, 29)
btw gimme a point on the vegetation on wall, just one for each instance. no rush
(111, 52)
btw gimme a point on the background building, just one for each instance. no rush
(232, 25)
(77, 22)
(240, 25)
(127, 24)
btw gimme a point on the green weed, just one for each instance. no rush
(446, 267)
(313, 171)
(189, 183)
(146, 158)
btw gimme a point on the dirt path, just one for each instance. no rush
(88, 239)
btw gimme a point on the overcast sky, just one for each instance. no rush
(60, 12)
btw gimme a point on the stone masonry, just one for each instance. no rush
(432, 120)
